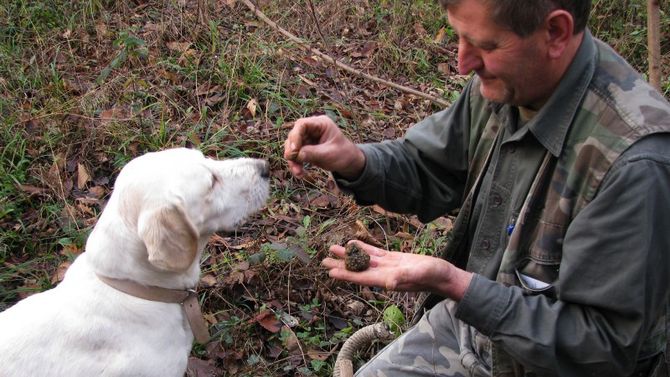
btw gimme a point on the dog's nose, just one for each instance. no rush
(264, 169)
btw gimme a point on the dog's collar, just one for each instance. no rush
(188, 299)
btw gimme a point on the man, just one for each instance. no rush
(558, 155)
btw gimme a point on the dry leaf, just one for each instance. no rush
(441, 34)
(291, 341)
(251, 106)
(83, 176)
(320, 201)
(96, 192)
(404, 235)
(208, 281)
(318, 355)
(444, 68)
(268, 320)
(101, 30)
(198, 367)
(179, 46)
(419, 29)
(70, 250)
(59, 275)
(32, 190)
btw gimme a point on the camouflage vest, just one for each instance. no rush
(618, 109)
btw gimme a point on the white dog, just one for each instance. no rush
(164, 207)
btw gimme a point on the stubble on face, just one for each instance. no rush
(511, 68)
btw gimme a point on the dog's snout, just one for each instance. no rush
(264, 169)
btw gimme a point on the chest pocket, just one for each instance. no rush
(533, 254)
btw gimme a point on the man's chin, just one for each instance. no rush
(494, 93)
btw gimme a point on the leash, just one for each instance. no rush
(188, 299)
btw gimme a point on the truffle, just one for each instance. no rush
(355, 259)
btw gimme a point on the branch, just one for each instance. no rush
(654, 41)
(337, 63)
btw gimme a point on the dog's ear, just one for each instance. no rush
(170, 238)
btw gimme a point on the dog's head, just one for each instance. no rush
(175, 199)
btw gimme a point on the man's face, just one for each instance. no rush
(512, 69)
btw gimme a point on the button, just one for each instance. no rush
(485, 244)
(496, 199)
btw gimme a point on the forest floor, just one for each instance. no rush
(85, 86)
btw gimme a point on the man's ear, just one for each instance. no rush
(170, 238)
(559, 26)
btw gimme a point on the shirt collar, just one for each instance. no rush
(551, 124)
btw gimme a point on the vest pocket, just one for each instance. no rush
(537, 277)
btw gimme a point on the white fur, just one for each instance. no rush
(164, 207)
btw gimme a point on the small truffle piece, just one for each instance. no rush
(355, 259)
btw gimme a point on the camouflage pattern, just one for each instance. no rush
(618, 109)
(457, 350)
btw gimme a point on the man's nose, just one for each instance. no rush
(468, 58)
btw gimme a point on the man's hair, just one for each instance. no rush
(523, 17)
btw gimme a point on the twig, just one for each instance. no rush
(316, 21)
(336, 62)
(318, 29)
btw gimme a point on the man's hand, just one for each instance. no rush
(317, 140)
(406, 272)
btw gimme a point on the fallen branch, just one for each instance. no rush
(336, 62)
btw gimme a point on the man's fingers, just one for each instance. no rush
(294, 142)
(337, 250)
(331, 263)
(296, 169)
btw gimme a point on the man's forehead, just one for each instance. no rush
(474, 23)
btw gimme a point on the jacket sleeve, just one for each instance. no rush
(612, 290)
(423, 173)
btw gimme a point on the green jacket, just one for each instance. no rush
(562, 218)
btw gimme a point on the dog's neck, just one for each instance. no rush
(115, 250)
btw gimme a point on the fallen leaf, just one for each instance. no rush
(59, 275)
(318, 355)
(213, 100)
(101, 30)
(320, 201)
(269, 322)
(444, 68)
(83, 176)
(441, 34)
(404, 235)
(291, 341)
(208, 281)
(419, 29)
(251, 106)
(201, 368)
(32, 190)
(179, 46)
(96, 192)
